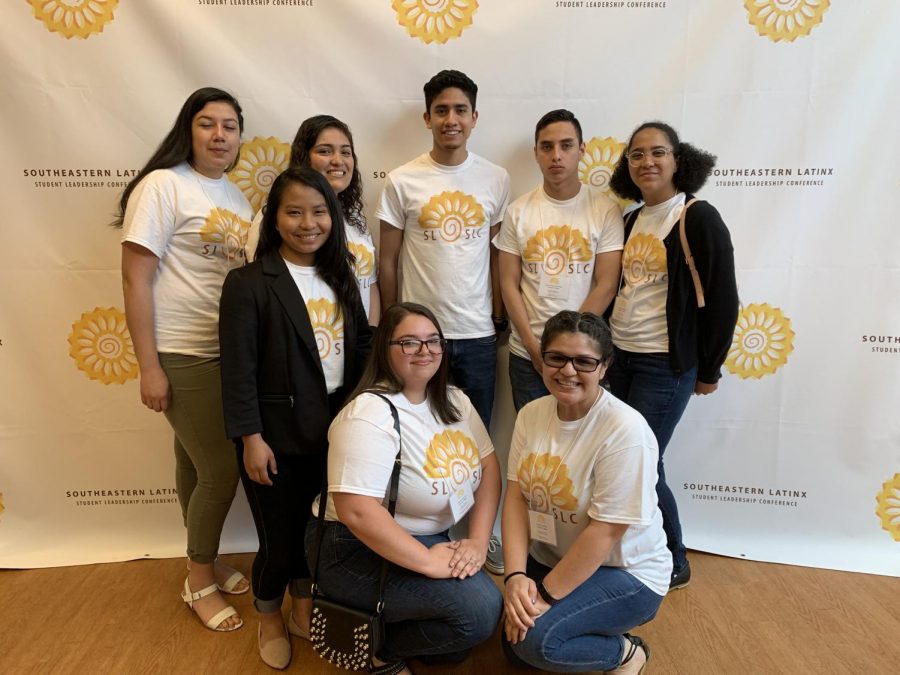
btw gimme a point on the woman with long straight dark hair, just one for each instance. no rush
(671, 338)
(185, 226)
(294, 339)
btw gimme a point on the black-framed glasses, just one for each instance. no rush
(583, 364)
(635, 157)
(412, 346)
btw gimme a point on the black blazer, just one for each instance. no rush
(272, 378)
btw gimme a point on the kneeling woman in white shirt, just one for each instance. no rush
(438, 603)
(583, 541)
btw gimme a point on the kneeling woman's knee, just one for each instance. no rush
(482, 606)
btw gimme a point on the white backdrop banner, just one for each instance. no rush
(795, 459)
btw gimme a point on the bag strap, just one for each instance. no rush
(392, 507)
(688, 257)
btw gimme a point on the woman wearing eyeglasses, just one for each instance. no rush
(583, 544)
(670, 341)
(438, 603)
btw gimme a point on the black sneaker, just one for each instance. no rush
(680, 578)
(494, 561)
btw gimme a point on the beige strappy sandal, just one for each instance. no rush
(190, 597)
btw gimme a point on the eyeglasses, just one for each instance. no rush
(412, 346)
(635, 157)
(583, 364)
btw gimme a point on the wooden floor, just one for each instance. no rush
(735, 617)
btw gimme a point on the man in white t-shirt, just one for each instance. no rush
(560, 248)
(438, 214)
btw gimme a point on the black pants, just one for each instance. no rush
(280, 512)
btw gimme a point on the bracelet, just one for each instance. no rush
(542, 591)
(501, 323)
(511, 575)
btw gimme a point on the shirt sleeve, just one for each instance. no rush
(507, 239)
(362, 447)
(503, 203)
(476, 426)
(612, 230)
(390, 209)
(516, 449)
(623, 489)
(150, 214)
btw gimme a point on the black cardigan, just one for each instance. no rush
(700, 337)
(272, 377)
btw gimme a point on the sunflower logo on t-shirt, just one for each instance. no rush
(364, 266)
(327, 324)
(644, 259)
(556, 246)
(453, 456)
(545, 483)
(452, 215)
(226, 231)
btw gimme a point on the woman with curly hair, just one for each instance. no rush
(671, 338)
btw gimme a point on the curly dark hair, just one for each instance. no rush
(694, 165)
(305, 141)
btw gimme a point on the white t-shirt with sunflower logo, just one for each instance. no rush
(601, 467)
(557, 239)
(436, 459)
(638, 320)
(446, 213)
(197, 227)
(362, 247)
(327, 321)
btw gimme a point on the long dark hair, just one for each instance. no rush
(305, 141)
(694, 165)
(177, 146)
(334, 262)
(379, 376)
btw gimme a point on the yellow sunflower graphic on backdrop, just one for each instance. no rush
(785, 19)
(365, 259)
(226, 229)
(74, 18)
(598, 163)
(888, 510)
(451, 455)
(262, 159)
(644, 258)
(327, 324)
(544, 480)
(555, 246)
(435, 20)
(450, 213)
(762, 342)
(102, 348)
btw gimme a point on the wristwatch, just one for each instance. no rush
(501, 323)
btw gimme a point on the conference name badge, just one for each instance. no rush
(542, 527)
(461, 500)
(554, 287)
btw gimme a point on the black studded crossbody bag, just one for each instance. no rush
(342, 635)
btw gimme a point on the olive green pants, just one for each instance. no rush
(206, 472)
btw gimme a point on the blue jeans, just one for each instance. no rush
(647, 383)
(473, 368)
(527, 383)
(424, 618)
(583, 631)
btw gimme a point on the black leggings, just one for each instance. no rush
(280, 512)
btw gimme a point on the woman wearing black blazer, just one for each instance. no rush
(294, 337)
